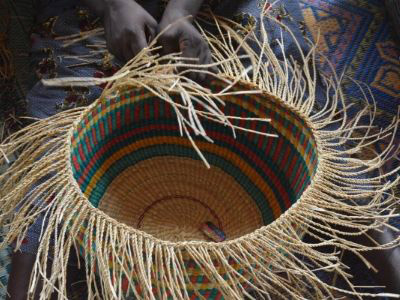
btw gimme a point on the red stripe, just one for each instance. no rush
(168, 110)
(305, 175)
(128, 115)
(253, 126)
(137, 112)
(298, 171)
(261, 164)
(286, 156)
(102, 131)
(94, 136)
(138, 289)
(291, 166)
(76, 164)
(118, 119)
(262, 139)
(112, 143)
(294, 159)
(277, 150)
(269, 145)
(218, 296)
(125, 284)
(146, 111)
(305, 141)
(243, 122)
(81, 153)
(110, 125)
(193, 297)
(173, 197)
(243, 149)
(87, 141)
(193, 279)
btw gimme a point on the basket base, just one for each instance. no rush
(172, 197)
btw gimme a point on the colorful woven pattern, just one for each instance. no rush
(359, 39)
(130, 160)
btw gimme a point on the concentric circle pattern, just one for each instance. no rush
(131, 162)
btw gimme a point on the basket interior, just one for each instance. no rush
(130, 160)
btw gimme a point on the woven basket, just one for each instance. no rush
(132, 163)
(142, 179)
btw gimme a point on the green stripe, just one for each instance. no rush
(281, 171)
(174, 150)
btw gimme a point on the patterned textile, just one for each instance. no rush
(358, 40)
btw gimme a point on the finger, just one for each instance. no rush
(112, 49)
(150, 28)
(214, 69)
(116, 51)
(126, 49)
(139, 43)
(152, 23)
(189, 51)
(168, 43)
(150, 33)
(167, 47)
(205, 58)
(202, 52)
(208, 60)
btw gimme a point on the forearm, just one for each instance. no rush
(182, 8)
(99, 6)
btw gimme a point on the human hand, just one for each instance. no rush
(128, 28)
(183, 37)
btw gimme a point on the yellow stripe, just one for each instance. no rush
(261, 99)
(238, 101)
(108, 109)
(282, 131)
(232, 157)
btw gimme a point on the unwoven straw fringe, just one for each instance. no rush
(45, 149)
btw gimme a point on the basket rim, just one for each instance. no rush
(291, 210)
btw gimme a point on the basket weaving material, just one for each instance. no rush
(131, 162)
(130, 180)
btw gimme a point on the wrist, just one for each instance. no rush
(177, 9)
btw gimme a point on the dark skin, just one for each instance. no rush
(182, 36)
(387, 262)
(129, 28)
(21, 268)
